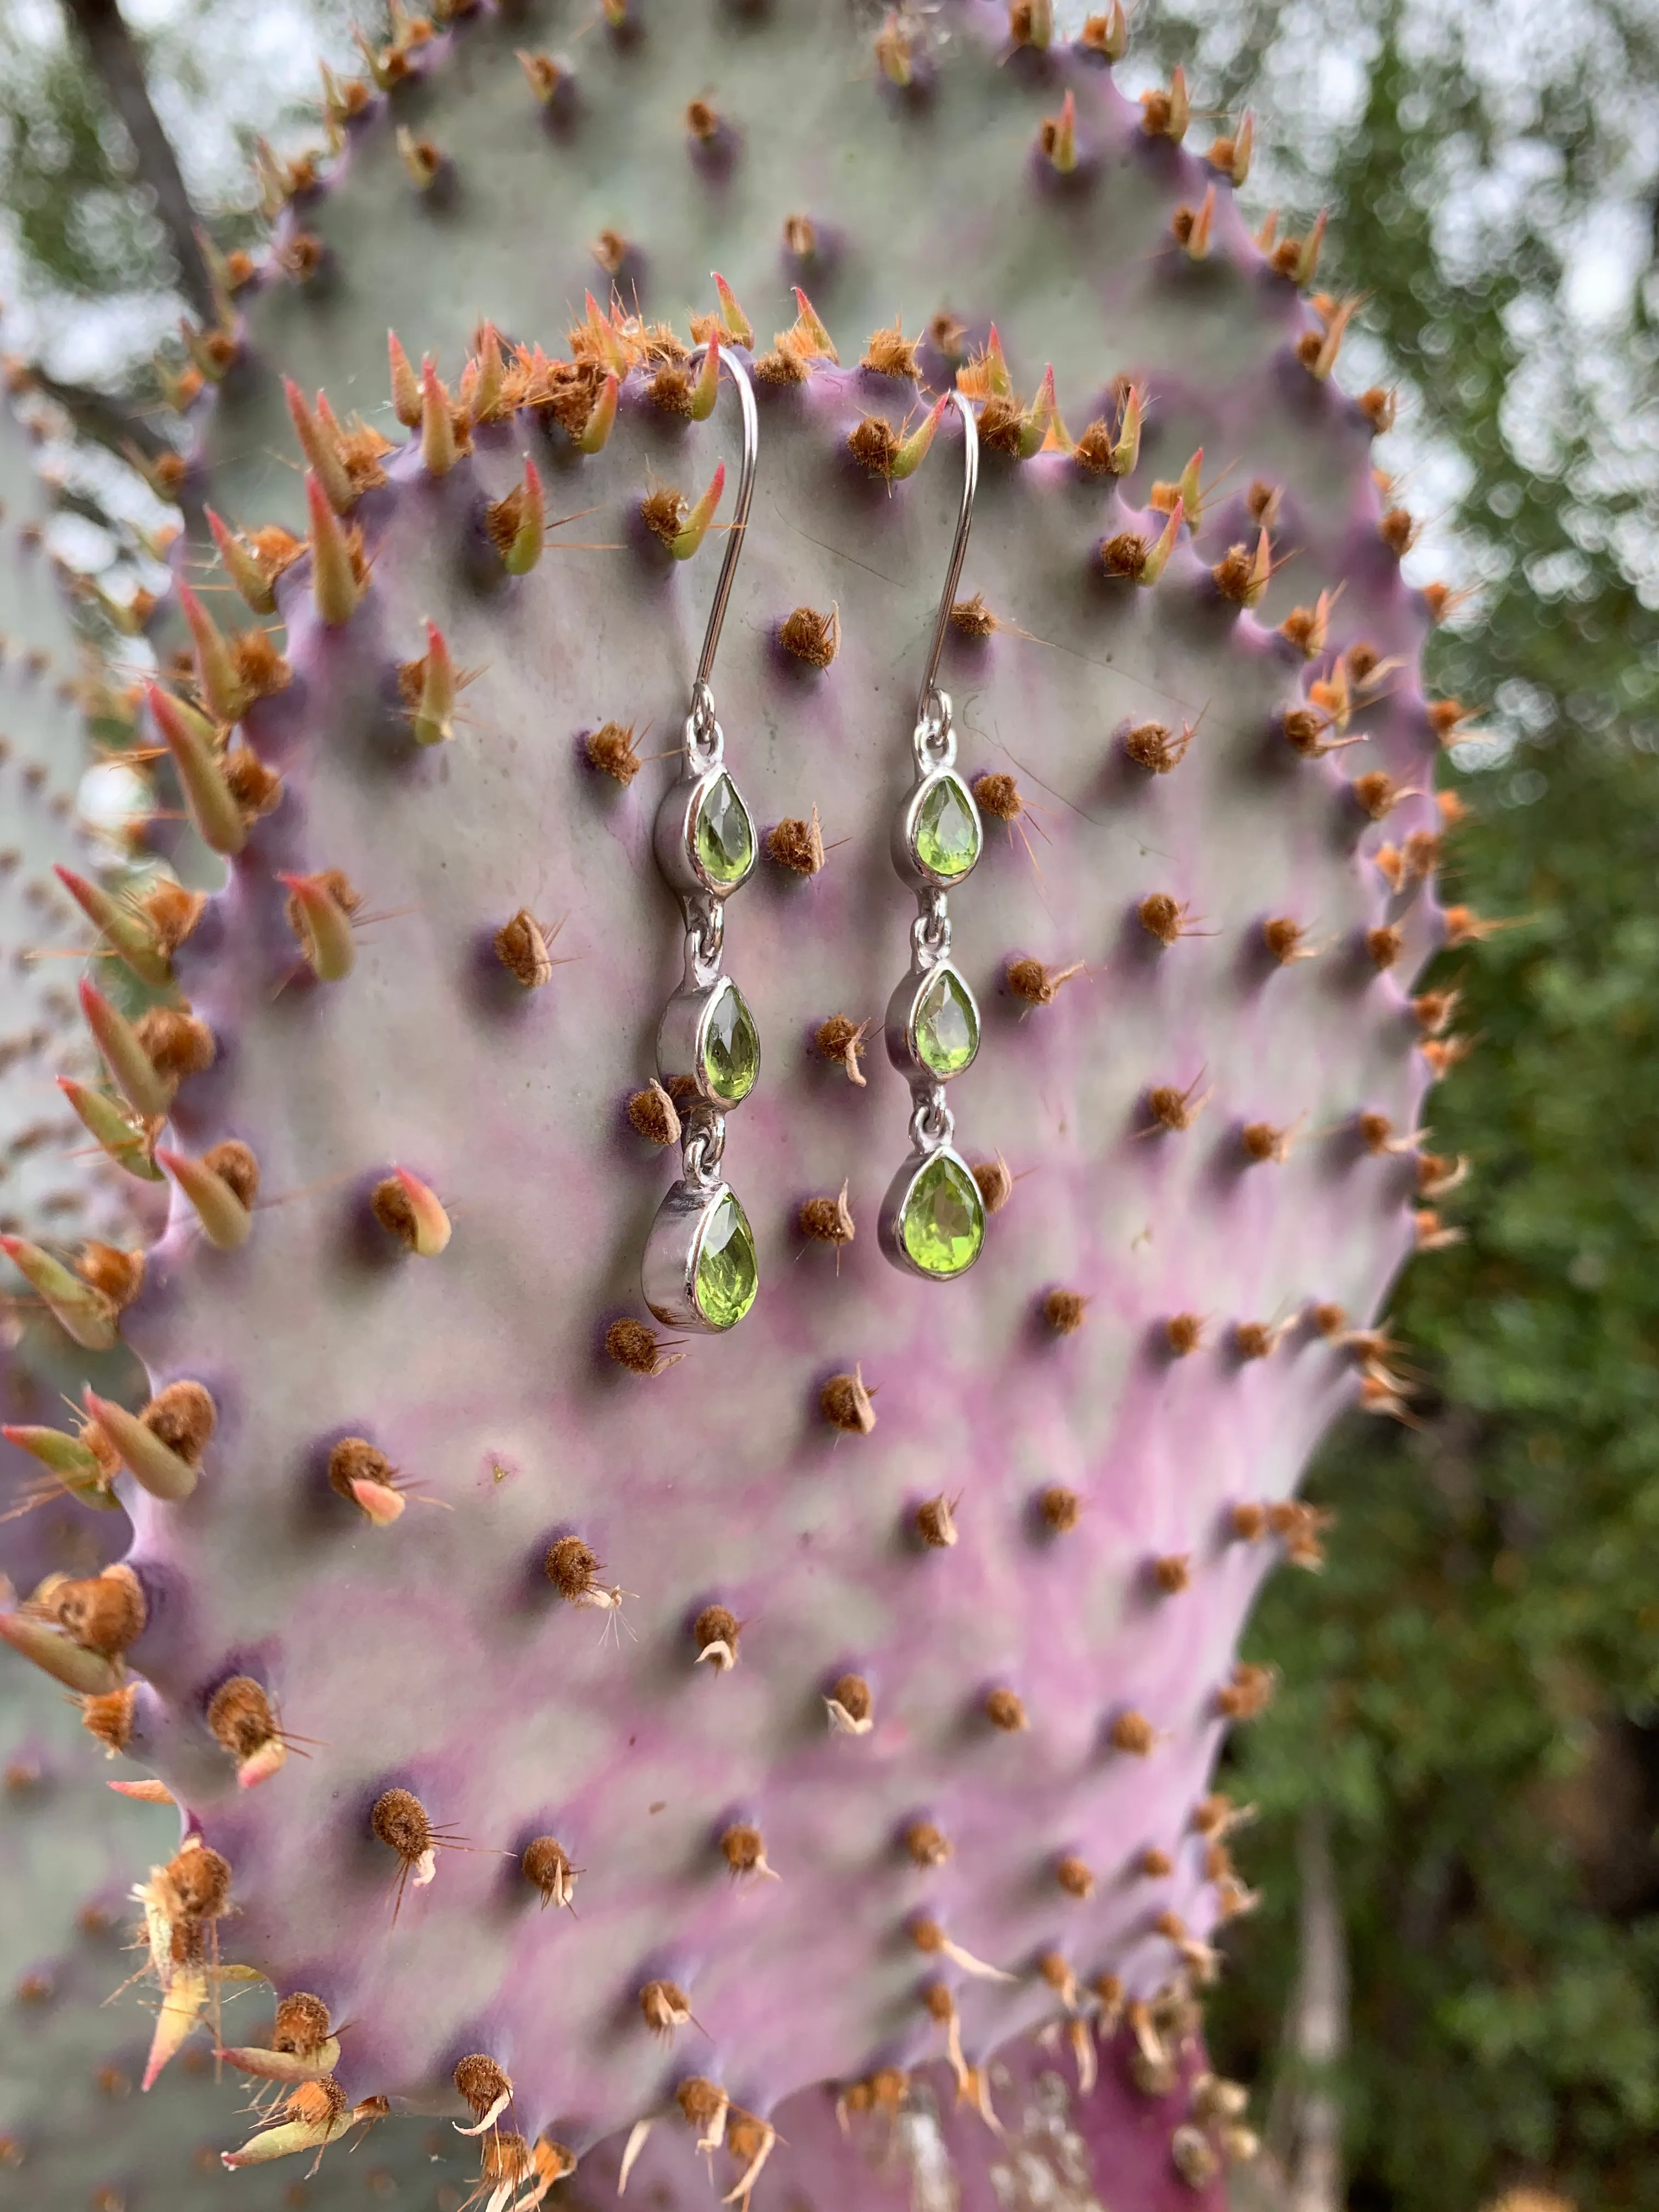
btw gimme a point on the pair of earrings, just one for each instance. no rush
(699, 1270)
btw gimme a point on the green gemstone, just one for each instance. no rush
(731, 1047)
(725, 836)
(947, 834)
(942, 1221)
(947, 1024)
(727, 1277)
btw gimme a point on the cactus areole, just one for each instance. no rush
(617, 1723)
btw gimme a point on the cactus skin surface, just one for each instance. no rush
(931, 200)
(1057, 2150)
(55, 1190)
(432, 1656)
(73, 2120)
(446, 960)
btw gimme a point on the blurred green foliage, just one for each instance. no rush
(1477, 1672)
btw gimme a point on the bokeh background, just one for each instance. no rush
(1452, 1989)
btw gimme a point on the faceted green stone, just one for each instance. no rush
(947, 1024)
(727, 1277)
(942, 1222)
(725, 836)
(731, 1047)
(947, 830)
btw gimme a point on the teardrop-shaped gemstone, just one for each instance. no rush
(947, 832)
(942, 1222)
(727, 1275)
(725, 834)
(946, 1024)
(731, 1046)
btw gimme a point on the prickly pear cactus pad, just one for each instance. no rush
(76, 2127)
(916, 2147)
(44, 1192)
(944, 166)
(581, 1714)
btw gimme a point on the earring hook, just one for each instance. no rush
(930, 701)
(703, 704)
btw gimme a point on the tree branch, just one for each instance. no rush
(97, 417)
(120, 67)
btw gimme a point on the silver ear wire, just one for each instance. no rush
(699, 1270)
(932, 1218)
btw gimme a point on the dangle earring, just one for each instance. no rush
(699, 1270)
(932, 1218)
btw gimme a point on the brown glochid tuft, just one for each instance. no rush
(842, 1040)
(927, 1845)
(997, 794)
(177, 1043)
(1173, 1572)
(392, 1207)
(890, 353)
(701, 2101)
(935, 1524)
(521, 948)
(665, 2006)
(104, 1614)
(546, 1866)
(828, 1220)
(1005, 1709)
(183, 1416)
(995, 1179)
(610, 749)
(797, 845)
(1064, 1311)
(1254, 1339)
(303, 2025)
(874, 444)
(239, 1716)
(1133, 1732)
(1163, 917)
(810, 637)
(1059, 1507)
(1185, 1332)
(653, 1114)
(1384, 945)
(571, 1566)
(197, 1882)
(398, 1820)
(1073, 1876)
(1398, 532)
(1174, 1109)
(717, 1625)
(481, 2082)
(1156, 748)
(354, 1459)
(1036, 985)
(663, 512)
(972, 618)
(845, 1404)
(1284, 938)
(743, 1848)
(109, 1716)
(234, 1164)
(635, 1345)
(852, 1693)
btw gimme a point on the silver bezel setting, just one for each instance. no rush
(681, 1040)
(906, 858)
(676, 834)
(673, 1251)
(890, 1230)
(904, 1009)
